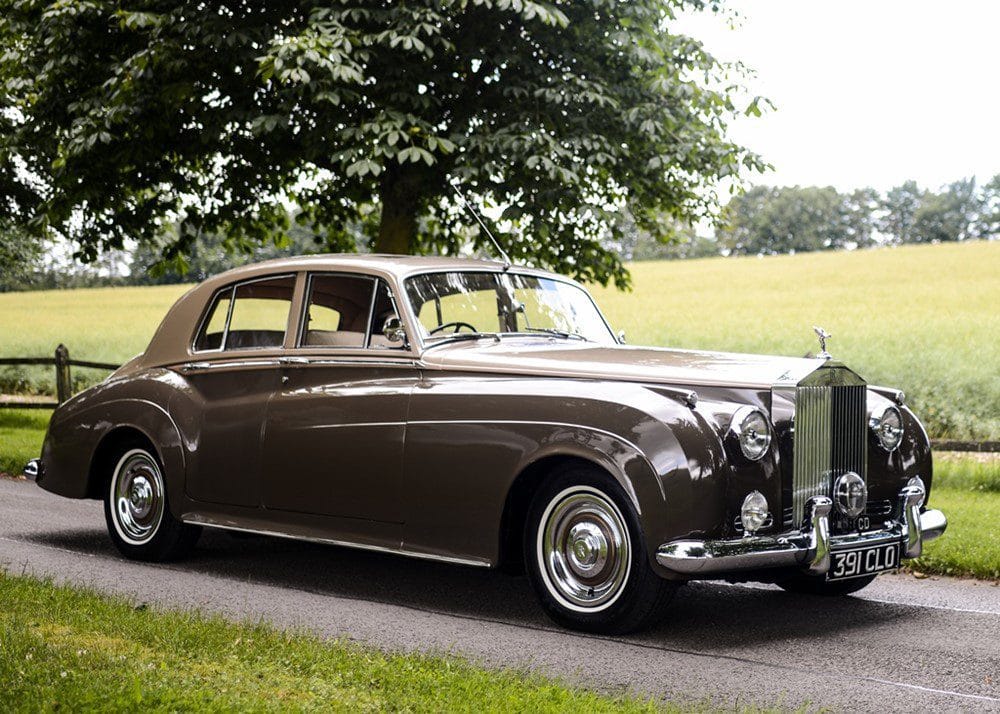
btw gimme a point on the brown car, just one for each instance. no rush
(478, 413)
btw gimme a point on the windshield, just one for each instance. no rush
(455, 303)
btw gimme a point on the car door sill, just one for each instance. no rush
(454, 560)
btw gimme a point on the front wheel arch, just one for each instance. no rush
(518, 501)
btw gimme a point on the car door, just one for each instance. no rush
(336, 424)
(233, 374)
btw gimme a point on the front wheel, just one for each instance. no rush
(812, 585)
(135, 507)
(586, 556)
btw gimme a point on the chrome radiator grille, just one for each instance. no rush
(829, 439)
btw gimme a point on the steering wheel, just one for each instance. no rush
(457, 325)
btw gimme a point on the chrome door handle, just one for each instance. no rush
(293, 360)
(190, 366)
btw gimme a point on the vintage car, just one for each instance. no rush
(480, 413)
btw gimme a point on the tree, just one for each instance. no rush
(988, 225)
(767, 220)
(947, 216)
(210, 254)
(900, 208)
(20, 254)
(862, 208)
(560, 113)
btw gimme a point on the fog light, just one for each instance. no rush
(754, 513)
(850, 494)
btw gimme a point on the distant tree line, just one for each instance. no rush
(768, 220)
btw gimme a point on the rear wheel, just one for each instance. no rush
(586, 556)
(135, 507)
(812, 585)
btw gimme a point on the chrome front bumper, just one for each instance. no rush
(808, 549)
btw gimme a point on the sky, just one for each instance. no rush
(867, 93)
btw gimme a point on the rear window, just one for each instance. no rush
(252, 315)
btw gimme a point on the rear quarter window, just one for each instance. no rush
(251, 315)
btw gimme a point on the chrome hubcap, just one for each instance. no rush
(584, 548)
(138, 497)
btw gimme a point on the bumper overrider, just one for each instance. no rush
(808, 549)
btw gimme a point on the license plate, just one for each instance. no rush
(863, 561)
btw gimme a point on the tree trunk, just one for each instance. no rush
(400, 197)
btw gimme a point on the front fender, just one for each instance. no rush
(666, 456)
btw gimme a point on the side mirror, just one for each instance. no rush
(393, 330)
(621, 337)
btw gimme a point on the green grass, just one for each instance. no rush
(920, 318)
(967, 472)
(967, 489)
(971, 545)
(21, 434)
(64, 647)
(924, 319)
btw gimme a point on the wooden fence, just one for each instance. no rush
(64, 379)
(64, 390)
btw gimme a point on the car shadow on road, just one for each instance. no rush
(703, 616)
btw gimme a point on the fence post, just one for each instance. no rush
(64, 382)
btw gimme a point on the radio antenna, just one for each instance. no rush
(489, 234)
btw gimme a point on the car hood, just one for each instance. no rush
(562, 358)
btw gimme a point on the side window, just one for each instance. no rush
(337, 310)
(383, 309)
(260, 313)
(214, 328)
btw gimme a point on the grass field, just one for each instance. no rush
(68, 648)
(924, 319)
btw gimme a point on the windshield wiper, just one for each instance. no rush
(558, 333)
(462, 337)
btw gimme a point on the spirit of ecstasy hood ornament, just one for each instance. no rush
(823, 336)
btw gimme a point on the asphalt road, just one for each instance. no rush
(901, 645)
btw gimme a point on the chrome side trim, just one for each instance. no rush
(297, 361)
(357, 361)
(209, 523)
(228, 364)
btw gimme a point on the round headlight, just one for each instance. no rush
(888, 428)
(751, 429)
(754, 513)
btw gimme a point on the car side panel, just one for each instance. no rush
(469, 436)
